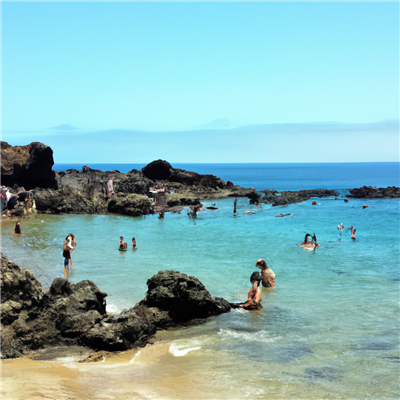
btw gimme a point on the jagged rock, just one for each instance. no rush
(368, 192)
(183, 296)
(289, 197)
(130, 204)
(29, 166)
(75, 314)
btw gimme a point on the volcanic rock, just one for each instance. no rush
(29, 166)
(368, 192)
(75, 314)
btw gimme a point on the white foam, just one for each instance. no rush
(65, 359)
(112, 309)
(134, 357)
(260, 336)
(176, 351)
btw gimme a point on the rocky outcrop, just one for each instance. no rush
(75, 314)
(130, 204)
(289, 197)
(161, 170)
(368, 192)
(28, 166)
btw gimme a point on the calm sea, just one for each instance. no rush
(330, 329)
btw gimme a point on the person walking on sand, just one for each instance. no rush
(267, 275)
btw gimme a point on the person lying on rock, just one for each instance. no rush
(254, 296)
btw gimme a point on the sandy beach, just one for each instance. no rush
(152, 372)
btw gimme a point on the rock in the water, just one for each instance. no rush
(28, 166)
(75, 314)
(368, 192)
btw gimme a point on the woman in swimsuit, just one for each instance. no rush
(267, 275)
(254, 295)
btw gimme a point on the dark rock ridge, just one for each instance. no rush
(288, 197)
(75, 314)
(28, 166)
(368, 192)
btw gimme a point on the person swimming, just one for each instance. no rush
(309, 245)
(254, 296)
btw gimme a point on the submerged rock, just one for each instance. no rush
(75, 314)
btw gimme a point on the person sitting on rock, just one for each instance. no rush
(267, 275)
(254, 296)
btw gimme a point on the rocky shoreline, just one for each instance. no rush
(27, 173)
(70, 314)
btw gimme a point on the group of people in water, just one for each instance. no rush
(123, 246)
(266, 278)
(352, 230)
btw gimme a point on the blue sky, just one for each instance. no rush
(202, 82)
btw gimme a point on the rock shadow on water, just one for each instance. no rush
(324, 373)
(385, 341)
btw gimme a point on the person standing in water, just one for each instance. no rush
(68, 247)
(353, 234)
(122, 246)
(133, 243)
(17, 229)
(267, 275)
(340, 227)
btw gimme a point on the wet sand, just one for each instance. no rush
(148, 373)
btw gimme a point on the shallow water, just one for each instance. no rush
(330, 329)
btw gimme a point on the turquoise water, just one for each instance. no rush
(330, 329)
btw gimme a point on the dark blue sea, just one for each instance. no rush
(283, 176)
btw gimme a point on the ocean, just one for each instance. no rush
(330, 329)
